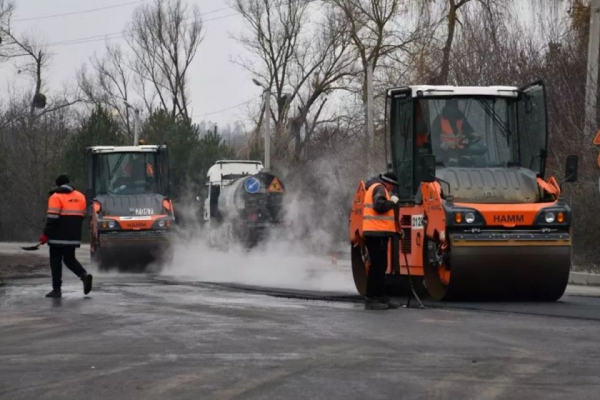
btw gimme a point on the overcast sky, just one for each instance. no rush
(216, 82)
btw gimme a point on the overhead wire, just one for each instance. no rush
(121, 34)
(228, 108)
(91, 10)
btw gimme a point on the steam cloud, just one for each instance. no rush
(298, 256)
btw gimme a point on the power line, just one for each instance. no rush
(228, 108)
(119, 35)
(92, 10)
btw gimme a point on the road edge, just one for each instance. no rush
(584, 279)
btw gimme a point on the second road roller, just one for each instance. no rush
(243, 203)
(478, 218)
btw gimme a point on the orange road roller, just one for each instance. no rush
(478, 219)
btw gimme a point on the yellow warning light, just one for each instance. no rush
(560, 217)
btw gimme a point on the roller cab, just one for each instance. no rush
(479, 218)
(132, 215)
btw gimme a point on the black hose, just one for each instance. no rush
(410, 281)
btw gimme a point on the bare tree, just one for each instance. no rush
(377, 33)
(164, 39)
(30, 57)
(299, 62)
(109, 84)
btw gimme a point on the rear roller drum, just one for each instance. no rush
(360, 267)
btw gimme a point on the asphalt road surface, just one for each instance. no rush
(174, 337)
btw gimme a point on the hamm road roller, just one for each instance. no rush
(132, 216)
(478, 218)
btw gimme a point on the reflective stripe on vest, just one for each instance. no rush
(373, 221)
(66, 242)
(448, 135)
(77, 213)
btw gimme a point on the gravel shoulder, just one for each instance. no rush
(16, 263)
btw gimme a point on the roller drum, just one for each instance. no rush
(488, 271)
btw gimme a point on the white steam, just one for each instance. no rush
(310, 253)
(276, 264)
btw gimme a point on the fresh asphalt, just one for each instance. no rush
(161, 337)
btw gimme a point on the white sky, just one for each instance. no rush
(216, 83)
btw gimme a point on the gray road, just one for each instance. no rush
(144, 337)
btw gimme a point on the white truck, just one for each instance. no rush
(242, 203)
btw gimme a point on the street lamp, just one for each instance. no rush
(136, 123)
(267, 127)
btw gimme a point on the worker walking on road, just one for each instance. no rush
(64, 218)
(378, 227)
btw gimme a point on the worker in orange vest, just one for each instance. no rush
(454, 130)
(379, 226)
(64, 218)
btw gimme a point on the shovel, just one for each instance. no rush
(32, 248)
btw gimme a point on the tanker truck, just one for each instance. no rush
(242, 203)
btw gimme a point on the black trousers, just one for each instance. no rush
(58, 254)
(378, 254)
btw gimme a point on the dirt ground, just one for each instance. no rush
(32, 265)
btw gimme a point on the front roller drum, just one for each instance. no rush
(494, 272)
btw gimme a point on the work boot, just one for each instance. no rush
(87, 283)
(392, 305)
(54, 294)
(375, 304)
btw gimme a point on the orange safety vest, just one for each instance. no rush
(374, 223)
(65, 214)
(149, 170)
(449, 136)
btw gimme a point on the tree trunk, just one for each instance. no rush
(445, 70)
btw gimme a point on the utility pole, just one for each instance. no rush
(267, 121)
(591, 87)
(136, 127)
(136, 123)
(369, 114)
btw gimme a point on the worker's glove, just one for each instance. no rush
(44, 239)
(444, 146)
(394, 199)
